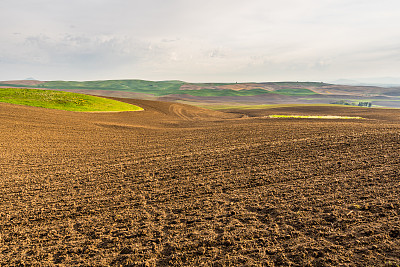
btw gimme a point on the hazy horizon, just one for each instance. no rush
(380, 81)
(207, 41)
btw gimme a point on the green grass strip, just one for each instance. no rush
(62, 100)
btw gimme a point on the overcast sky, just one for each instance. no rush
(199, 41)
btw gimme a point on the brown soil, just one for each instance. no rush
(257, 99)
(168, 186)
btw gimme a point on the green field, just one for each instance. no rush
(137, 86)
(62, 100)
(163, 88)
(156, 88)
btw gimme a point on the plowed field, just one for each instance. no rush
(178, 185)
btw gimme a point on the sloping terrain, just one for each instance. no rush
(62, 100)
(210, 94)
(160, 88)
(169, 187)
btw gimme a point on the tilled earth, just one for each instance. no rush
(177, 185)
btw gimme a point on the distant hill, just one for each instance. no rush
(206, 94)
(380, 82)
(163, 88)
(22, 83)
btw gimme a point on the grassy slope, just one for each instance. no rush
(62, 100)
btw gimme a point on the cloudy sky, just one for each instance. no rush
(199, 41)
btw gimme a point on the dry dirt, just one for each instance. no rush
(170, 186)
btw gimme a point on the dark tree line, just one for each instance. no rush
(364, 104)
(360, 104)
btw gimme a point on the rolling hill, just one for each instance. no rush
(227, 94)
(162, 88)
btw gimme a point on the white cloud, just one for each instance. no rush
(199, 40)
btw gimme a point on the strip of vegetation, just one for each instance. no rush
(62, 100)
(364, 103)
(315, 117)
